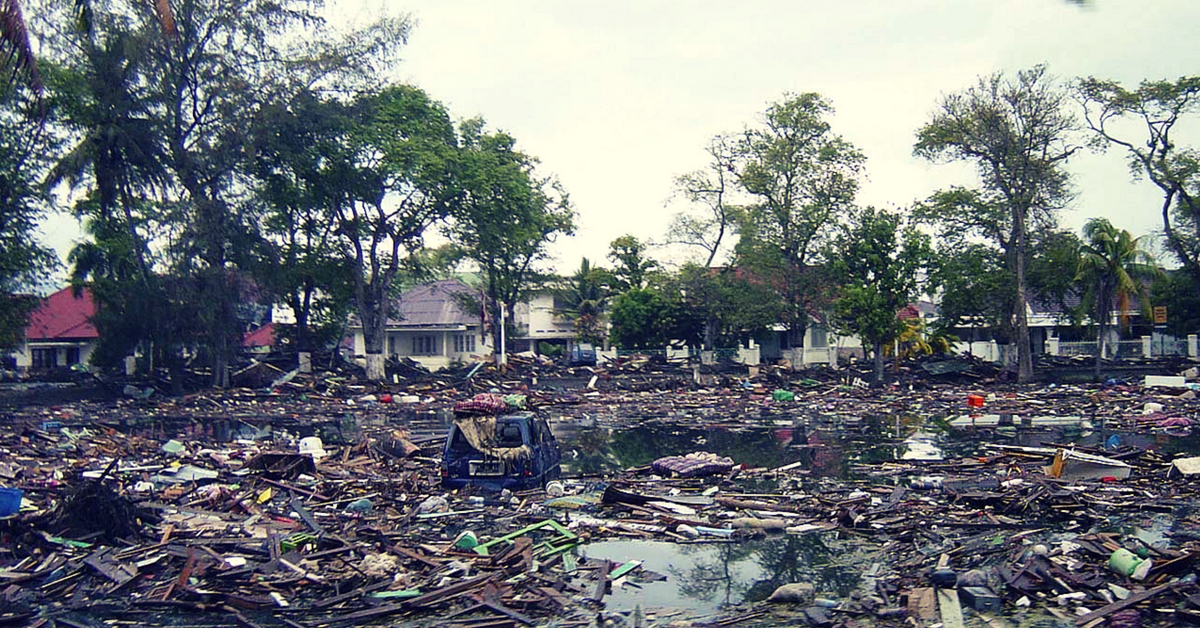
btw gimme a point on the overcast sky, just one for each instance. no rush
(617, 98)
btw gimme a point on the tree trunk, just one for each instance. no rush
(373, 312)
(1024, 359)
(376, 367)
(302, 316)
(499, 348)
(877, 375)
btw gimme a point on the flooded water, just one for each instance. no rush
(835, 451)
(705, 577)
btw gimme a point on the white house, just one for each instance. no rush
(436, 324)
(60, 333)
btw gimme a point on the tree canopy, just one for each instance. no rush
(1018, 134)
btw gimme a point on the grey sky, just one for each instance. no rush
(618, 97)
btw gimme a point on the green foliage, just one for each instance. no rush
(1018, 135)
(974, 286)
(1114, 269)
(641, 319)
(551, 350)
(301, 174)
(801, 179)
(25, 264)
(631, 265)
(1177, 291)
(723, 307)
(877, 262)
(167, 114)
(507, 215)
(584, 300)
(1050, 252)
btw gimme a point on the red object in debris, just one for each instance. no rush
(385, 398)
(975, 401)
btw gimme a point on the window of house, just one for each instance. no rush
(72, 356)
(820, 337)
(464, 343)
(424, 345)
(44, 358)
(391, 345)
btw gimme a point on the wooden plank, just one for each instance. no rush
(447, 591)
(601, 580)
(922, 602)
(1136, 598)
(950, 608)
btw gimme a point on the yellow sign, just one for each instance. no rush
(1160, 315)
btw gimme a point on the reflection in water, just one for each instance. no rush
(597, 450)
(825, 448)
(704, 577)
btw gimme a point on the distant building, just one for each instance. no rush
(540, 319)
(60, 333)
(436, 324)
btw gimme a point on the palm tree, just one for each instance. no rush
(1114, 268)
(585, 297)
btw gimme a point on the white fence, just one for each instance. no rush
(1143, 347)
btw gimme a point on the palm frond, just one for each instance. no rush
(15, 48)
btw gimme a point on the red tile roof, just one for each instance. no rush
(262, 337)
(63, 316)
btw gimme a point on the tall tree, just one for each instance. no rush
(397, 181)
(1154, 152)
(710, 191)
(507, 218)
(1018, 134)
(801, 179)
(299, 170)
(877, 262)
(185, 93)
(1115, 270)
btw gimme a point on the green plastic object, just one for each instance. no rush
(565, 540)
(466, 540)
(293, 541)
(784, 395)
(403, 594)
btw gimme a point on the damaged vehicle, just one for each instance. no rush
(514, 451)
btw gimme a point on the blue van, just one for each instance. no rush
(582, 354)
(524, 455)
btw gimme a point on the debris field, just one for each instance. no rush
(313, 500)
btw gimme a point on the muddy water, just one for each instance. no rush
(704, 578)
